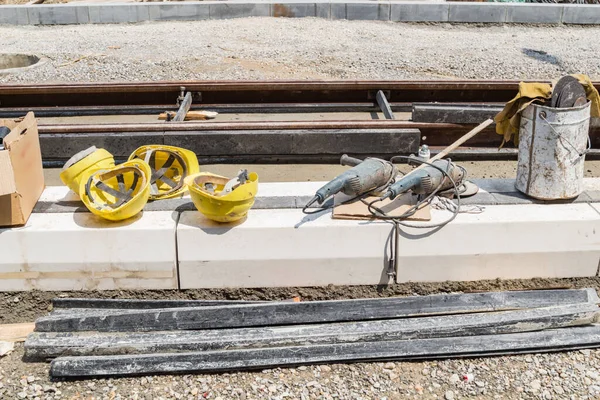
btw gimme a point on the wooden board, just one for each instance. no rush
(16, 332)
(359, 210)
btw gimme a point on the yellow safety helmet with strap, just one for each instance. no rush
(117, 193)
(170, 166)
(221, 199)
(84, 163)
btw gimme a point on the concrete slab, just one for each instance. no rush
(420, 12)
(294, 10)
(178, 12)
(534, 13)
(275, 248)
(82, 252)
(14, 15)
(227, 10)
(581, 14)
(368, 11)
(477, 12)
(118, 13)
(504, 242)
(58, 14)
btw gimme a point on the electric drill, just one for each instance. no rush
(427, 179)
(364, 176)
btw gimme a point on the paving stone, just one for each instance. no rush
(178, 12)
(534, 13)
(581, 14)
(239, 10)
(58, 15)
(294, 10)
(477, 12)
(120, 13)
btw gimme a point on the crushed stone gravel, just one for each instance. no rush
(307, 48)
(569, 375)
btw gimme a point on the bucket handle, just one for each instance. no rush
(562, 138)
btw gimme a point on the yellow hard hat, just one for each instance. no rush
(170, 165)
(82, 164)
(207, 189)
(117, 193)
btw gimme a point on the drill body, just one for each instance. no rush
(363, 177)
(426, 180)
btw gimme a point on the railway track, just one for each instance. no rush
(268, 122)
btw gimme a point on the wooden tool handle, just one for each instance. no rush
(456, 144)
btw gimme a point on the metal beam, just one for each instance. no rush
(384, 105)
(227, 360)
(268, 314)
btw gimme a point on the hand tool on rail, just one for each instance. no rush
(365, 176)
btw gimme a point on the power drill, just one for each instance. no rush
(427, 179)
(364, 176)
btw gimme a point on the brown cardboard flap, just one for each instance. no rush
(394, 208)
(7, 176)
(23, 146)
(11, 212)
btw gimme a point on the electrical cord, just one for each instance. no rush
(400, 220)
(332, 205)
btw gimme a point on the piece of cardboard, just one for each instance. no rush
(21, 171)
(393, 208)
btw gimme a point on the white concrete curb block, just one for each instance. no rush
(408, 11)
(79, 251)
(283, 247)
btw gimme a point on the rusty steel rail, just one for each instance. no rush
(282, 141)
(236, 92)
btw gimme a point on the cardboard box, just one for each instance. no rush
(21, 171)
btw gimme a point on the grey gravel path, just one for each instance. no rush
(280, 48)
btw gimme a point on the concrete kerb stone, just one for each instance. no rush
(225, 10)
(420, 12)
(14, 15)
(534, 13)
(372, 11)
(118, 13)
(294, 10)
(406, 11)
(581, 14)
(178, 12)
(57, 15)
(477, 12)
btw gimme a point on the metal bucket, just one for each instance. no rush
(552, 147)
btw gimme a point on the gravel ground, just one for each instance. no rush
(266, 48)
(281, 48)
(574, 375)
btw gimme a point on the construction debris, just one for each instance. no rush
(106, 341)
(190, 116)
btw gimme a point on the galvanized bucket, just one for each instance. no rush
(552, 147)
